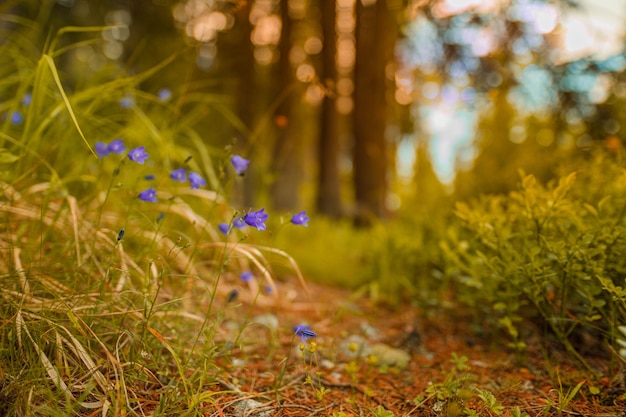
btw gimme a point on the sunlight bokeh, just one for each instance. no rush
(593, 30)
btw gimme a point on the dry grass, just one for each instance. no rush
(83, 311)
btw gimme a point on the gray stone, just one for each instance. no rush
(251, 408)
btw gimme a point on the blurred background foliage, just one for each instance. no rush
(478, 88)
(376, 116)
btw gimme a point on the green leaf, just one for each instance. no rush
(591, 209)
(55, 75)
(380, 411)
(6, 157)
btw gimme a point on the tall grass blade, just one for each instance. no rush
(66, 100)
(51, 370)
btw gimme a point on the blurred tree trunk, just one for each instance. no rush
(286, 163)
(329, 185)
(244, 69)
(374, 45)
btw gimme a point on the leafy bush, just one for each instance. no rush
(401, 260)
(552, 254)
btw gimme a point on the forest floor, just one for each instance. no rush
(371, 360)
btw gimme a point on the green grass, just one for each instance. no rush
(93, 320)
(328, 251)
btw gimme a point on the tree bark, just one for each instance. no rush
(369, 117)
(286, 165)
(329, 181)
(244, 68)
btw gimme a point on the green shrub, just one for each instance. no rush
(551, 254)
(402, 258)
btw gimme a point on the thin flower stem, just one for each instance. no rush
(116, 172)
(222, 261)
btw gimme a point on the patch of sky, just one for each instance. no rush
(536, 89)
(450, 130)
(468, 95)
(464, 35)
(470, 62)
(461, 19)
(430, 90)
(534, 41)
(405, 157)
(520, 46)
(579, 83)
(541, 17)
(449, 94)
(518, 12)
(458, 73)
(615, 63)
(421, 46)
(577, 67)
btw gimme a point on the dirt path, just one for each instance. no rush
(367, 359)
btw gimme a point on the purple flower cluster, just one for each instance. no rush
(195, 180)
(238, 223)
(116, 146)
(139, 155)
(257, 219)
(253, 218)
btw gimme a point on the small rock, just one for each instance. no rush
(239, 363)
(370, 332)
(269, 320)
(389, 356)
(326, 364)
(251, 408)
(354, 346)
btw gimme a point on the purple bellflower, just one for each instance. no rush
(246, 276)
(116, 146)
(179, 175)
(196, 180)
(127, 101)
(240, 164)
(239, 223)
(165, 94)
(102, 149)
(300, 219)
(17, 118)
(26, 99)
(148, 195)
(224, 228)
(138, 155)
(304, 332)
(256, 219)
